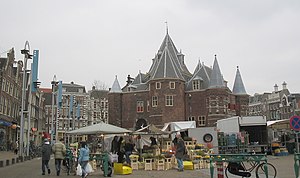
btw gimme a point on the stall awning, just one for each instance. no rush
(101, 128)
(5, 123)
(279, 124)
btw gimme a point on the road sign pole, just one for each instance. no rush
(297, 142)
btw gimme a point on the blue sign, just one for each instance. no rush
(295, 123)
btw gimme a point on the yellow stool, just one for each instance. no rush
(168, 163)
(94, 164)
(134, 163)
(148, 164)
(196, 164)
(160, 164)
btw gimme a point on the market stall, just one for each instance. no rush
(100, 130)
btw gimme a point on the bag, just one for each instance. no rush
(89, 168)
(78, 170)
(113, 158)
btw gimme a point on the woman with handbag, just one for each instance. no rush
(84, 157)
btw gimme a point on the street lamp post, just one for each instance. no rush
(27, 56)
(53, 83)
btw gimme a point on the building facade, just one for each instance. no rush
(97, 106)
(10, 99)
(72, 113)
(275, 105)
(169, 92)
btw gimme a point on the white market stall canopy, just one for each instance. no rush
(178, 126)
(279, 124)
(101, 128)
(150, 130)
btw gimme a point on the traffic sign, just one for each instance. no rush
(295, 123)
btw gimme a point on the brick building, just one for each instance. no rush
(10, 98)
(168, 92)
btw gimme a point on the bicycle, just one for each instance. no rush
(67, 165)
(244, 169)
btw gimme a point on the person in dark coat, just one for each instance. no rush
(128, 147)
(180, 150)
(153, 141)
(121, 150)
(114, 145)
(46, 152)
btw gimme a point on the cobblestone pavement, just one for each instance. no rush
(32, 169)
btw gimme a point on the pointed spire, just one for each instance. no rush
(216, 78)
(167, 29)
(116, 87)
(238, 87)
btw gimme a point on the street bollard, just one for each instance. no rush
(296, 164)
(220, 169)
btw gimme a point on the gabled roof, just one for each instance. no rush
(139, 79)
(200, 73)
(72, 87)
(216, 78)
(166, 63)
(238, 87)
(115, 87)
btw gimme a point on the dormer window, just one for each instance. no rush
(196, 84)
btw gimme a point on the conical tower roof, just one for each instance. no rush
(216, 78)
(166, 63)
(115, 87)
(238, 87)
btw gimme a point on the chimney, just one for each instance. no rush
(284, 85)
(276, 88)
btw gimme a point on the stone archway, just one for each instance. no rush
(140, 123)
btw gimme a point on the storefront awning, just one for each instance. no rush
(5, 123)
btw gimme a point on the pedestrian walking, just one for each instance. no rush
(180, 151)
(84, 157)
(46, 152)
(16, 147)
(59, 150)
(128, 147)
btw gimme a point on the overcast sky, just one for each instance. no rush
(84, 41)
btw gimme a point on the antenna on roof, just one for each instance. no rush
(167, 27)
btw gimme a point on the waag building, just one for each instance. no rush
(169, 92)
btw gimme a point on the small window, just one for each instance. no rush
(158, 85)
(201, 121)
(154, 101)
(140, 106)
(191, 118)
(196, 84)
(172, 85)
(169, 100)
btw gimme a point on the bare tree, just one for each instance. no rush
(99, 85)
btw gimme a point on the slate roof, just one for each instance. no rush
(167, 63)
(216, 78)
(238, 87)
(115, 87)
(200, 73)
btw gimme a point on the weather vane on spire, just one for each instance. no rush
(167, 27)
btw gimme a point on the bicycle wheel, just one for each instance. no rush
(226, 172)
(260, 170)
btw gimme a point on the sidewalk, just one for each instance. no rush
(8, 158)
